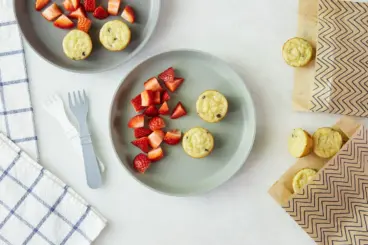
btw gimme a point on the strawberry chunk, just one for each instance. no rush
(173, 85)
(147, 98)
(64, 22)
(142, 143)
(40, 4)
(51, 12)
(172, 137)
(164, 109)
(79, 13)
(75, 3)
(141, 132)
(141, 163)
(156, 138)
(136, 121)
(165, 96)
(100, 13)
(68, 5)
(84, 24)
(128, 14)
(178, 111)
(168, 75)
(156, 123)
(157, 97)
(151, 111)
(152, 84)
(137, 103)
(90, 5)
(113, 7)
(156, 154)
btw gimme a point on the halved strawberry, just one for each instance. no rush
(141, 163)
(51, 12)
(151, 111)
(68, 5)
(165, 96)
(141, 132)
(64, 22)
(157, 97)
(168, 75)
(40, 4)
(173, 85)
(142, 143)
(156, 138)
(79, 13)
(84, 24)
(147, 98)
(128, 14)
(136, 121)
(155, 154)
(178, 111)
(100, 13)
(164, 109)
(156, 123)
(75, 3)
(137, 103)
(113, 7)
(172, 137)
(90, 5)
(152, 84)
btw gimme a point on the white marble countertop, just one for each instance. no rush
(247, 34)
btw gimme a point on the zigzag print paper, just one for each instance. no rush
(341, 78)
(333, 209)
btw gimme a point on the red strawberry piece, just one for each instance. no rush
(141, 132)
(141, 163)
(168, 75)
(79, 13)
(68, 5)
(152, 84)
(137, 103)
(51, 12)
(142, 143)
(164, 109)
(156, 138)
(40, 4)
(165, 96)
(128, 14)
(147, 98)
(172, 137)
(90, 5)
(157, 97)
(84, 24)
(136, 121)
(156, 123)
(178, 111)
(155, 154)
(75, 3)
(172, 86)
(64, 22)
(113, 7)
(151, 111)
(100, 13)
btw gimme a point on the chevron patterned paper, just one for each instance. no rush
(333, 209)
(341, 78)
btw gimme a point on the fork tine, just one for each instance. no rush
(70, 100)
(75, 98)
(85, 95)
(80, 97)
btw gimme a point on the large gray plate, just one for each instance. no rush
(177, 173)
(46, 39)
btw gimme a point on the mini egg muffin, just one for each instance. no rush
(300, 143)
(115, 35)
(302, 178)
(198, 142)
(77, 45)
(297, 52)
(327, 142)
(212, 106)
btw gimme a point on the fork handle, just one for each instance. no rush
(93, 174)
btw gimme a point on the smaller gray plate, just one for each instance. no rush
(177, 173)
(46, 39)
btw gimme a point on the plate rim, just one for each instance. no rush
(192, 193)
(89, 71)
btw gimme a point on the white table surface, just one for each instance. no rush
(247, 34)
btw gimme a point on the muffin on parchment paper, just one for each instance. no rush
(297, 52)
(198, 142)
(327, 142)
(115, 35)
(302, 178)
(300, 143)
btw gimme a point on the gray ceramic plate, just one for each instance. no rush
(177, 173)
(46, 39)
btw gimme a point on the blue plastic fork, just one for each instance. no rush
(79, 106)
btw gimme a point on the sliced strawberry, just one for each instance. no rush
(172, 137)
(40, 4)
(165, 96)
(136, 121)
(51, 12)
(156, 123)
(79, 13)
(100, 13)
(178, 111)
(141, 163)
(64, 22)
(172, 86)
(155, 154)
(152, 84)
(113, 7)
(90, 5)
(128, 14)
(156, 138)
(151, 111)
(141, 132)
(84, 24)
(164, 109)
(147, 98)
(168, 75)
(157, 97)
(137, 103)
(75, 3)
(68, 5)
(142, 143)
